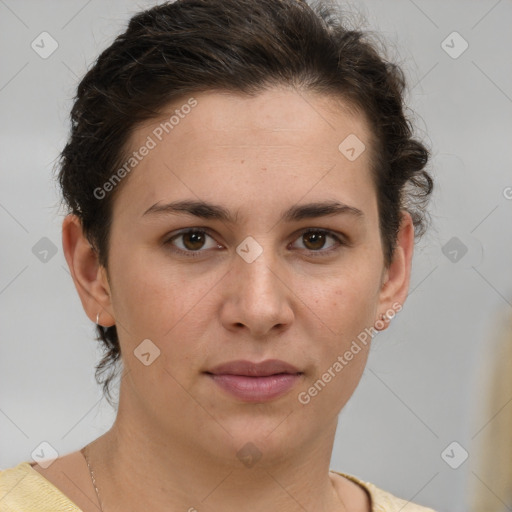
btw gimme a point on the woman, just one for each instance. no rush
(244, 194)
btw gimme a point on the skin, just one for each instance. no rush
(174, 442)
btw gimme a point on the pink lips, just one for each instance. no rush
(255, 382)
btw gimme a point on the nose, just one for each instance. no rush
(257, 297)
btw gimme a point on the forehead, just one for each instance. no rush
(273, 115)
(281, 142)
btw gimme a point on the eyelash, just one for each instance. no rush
(320, 253)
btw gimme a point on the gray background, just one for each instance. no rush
(422, 386)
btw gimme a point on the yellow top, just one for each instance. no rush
(23, 489)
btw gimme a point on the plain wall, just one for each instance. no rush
(420, 390)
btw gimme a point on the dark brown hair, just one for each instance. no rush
(245, 46)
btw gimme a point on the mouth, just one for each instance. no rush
(250, 369)
(255, 382)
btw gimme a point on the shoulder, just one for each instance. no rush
(382, 501)
(23, 488)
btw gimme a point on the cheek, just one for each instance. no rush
(341, 347)
(341, 312)
(158, 302)
(150, 297)
(344, 300)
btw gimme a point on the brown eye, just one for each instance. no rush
(314, 241)
(193, 242)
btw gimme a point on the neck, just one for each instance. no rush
(139, 467)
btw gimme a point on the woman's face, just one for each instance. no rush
(250, 285)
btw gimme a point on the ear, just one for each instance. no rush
(396, 278)
(90, 278)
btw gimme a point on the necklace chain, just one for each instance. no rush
(91, 472)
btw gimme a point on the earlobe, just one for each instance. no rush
(88, 275)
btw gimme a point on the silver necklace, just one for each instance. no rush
(91, 472)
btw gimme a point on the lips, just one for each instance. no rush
(255, 382)
(250, 369)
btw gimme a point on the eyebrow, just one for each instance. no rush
(205, 210)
